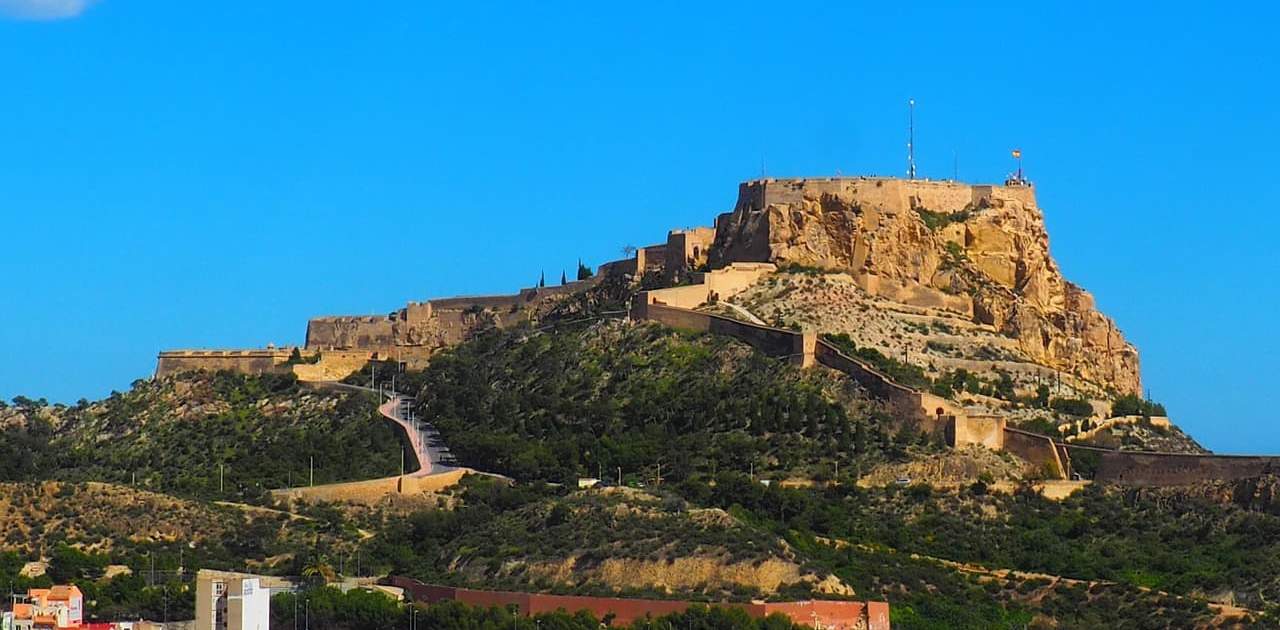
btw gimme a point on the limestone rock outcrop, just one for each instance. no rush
(980, 251)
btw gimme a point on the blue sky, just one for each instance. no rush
(202, 174)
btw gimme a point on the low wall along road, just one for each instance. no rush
(429, 474)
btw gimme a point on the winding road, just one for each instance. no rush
(430, 452)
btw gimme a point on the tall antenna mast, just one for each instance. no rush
(911, 138)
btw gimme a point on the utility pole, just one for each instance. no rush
(311, 471)
(911, 138)
(221, 484)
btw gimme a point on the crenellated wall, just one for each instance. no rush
(255, 361)
(890, 193)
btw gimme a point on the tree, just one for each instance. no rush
(584, 271)
(563, 278)
(1042, 396)
(542, 279)
(1072, 406)
(320, 567)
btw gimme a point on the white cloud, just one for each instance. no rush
(43, 9)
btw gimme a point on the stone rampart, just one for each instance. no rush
(333, 365)
(720, 284)
(904, 401)
(774, 342)
(928, 409)
(687, 250)
(1131, 468)
(983, 430)
(1038, 450)
(256, 361)
(837, 615)
(688, 297)
(364, 332)
(891, 193)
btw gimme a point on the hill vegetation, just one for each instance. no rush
(644, 401)
(598, 542)
(208, 435)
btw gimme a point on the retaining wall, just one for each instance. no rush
(371, 490)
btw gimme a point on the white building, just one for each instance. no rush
(231, 601)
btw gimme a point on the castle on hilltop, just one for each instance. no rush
(338, 345)
(976, 254)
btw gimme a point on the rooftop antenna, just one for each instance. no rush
(955, 165)
(1017, 155)
(911, 138)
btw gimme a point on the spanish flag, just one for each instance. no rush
(1017, 153)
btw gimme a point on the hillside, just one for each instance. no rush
(199, 434)
(123, 525)
(589, 400)
(728, 473)
(621, 540)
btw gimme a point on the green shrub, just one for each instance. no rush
(1071, 406)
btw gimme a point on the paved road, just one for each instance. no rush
(427, 446)
(429, 451)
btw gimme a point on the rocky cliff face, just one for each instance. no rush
(979, 251)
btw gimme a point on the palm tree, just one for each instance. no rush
(321, 567)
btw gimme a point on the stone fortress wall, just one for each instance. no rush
(256, 361)
(891, 193)
(342, 344)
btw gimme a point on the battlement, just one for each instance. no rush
(248, 361)
(891, 193)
